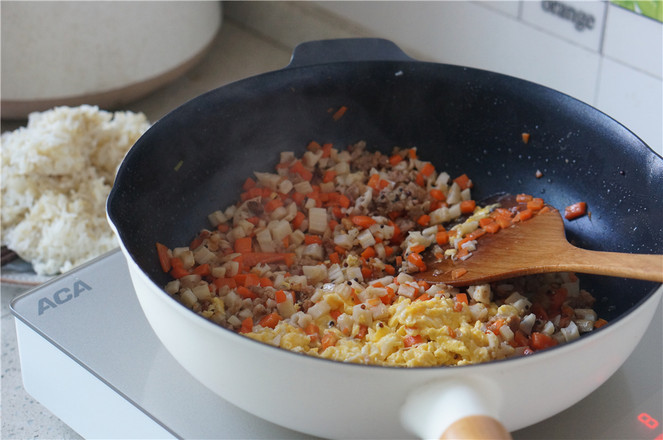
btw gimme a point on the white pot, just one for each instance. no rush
(101, 53)
(338, 400)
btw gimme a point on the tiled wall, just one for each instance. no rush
(596, 51)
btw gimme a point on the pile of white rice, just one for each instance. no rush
(56, 175)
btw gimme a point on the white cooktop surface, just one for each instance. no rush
(89, 323)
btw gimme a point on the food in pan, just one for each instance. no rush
(318, 257)
(57, 173)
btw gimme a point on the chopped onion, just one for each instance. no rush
(366, 239)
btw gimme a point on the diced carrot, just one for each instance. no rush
(525, 137)
(221, 282)
(424, 220)
(535, 204)
(369, 252)
(245, 292)
(328, 340)
(496, 325)
(484, 221)
(412, 153)
(265, 282)
(280, 296)
(326, 149)
(418, 248)
(203, 270)
(519, 339)
(164, 257)
(344, 201)
(334, 258)
(312, 239)
(247, 325)
(411, 340)
(270, 320)
(247, 279)
(503, 221)
(427, 170)
(463, 181)
(271, 205)
(389, 297)
(374, 181)
(423, 297)
(336, 313)
(457, 273)
(297, 221)
(366, 272)
(312, 330)
(298, 198)
(461, 298)
(338, 114)
(243, 245)
(423, 285)
(199, 240)
(462, 252)
(523, 215)
(416, 259)
(468, 206)
(491, 227)
(391, 270)
(177, 270)
(248, 184)
(251, 194)
(442, 237)
(362, 331)
(523, 198)
(600, 323)
(419, 179)
(575, 210)
(253, 258)
(393, 215)
(541, 341)
(438, 195)
(395, 159)
(363, 221)
(298, 168)
(313, 146)
(329, 176)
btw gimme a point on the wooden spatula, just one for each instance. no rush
(537, 245)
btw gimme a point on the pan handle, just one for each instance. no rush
(346, 49)
(457, 408)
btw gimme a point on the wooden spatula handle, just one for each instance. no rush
(479, 427)
(639, 266)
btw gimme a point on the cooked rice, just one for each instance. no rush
(56, 175)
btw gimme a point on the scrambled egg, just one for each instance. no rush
(408, 333)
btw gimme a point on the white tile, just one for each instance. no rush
(578, 21)
(469, 34)
(633, 98)
(508, 7)
(634, 39)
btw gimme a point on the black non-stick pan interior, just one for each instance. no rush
(194, 160)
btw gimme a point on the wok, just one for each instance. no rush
(194, 160)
